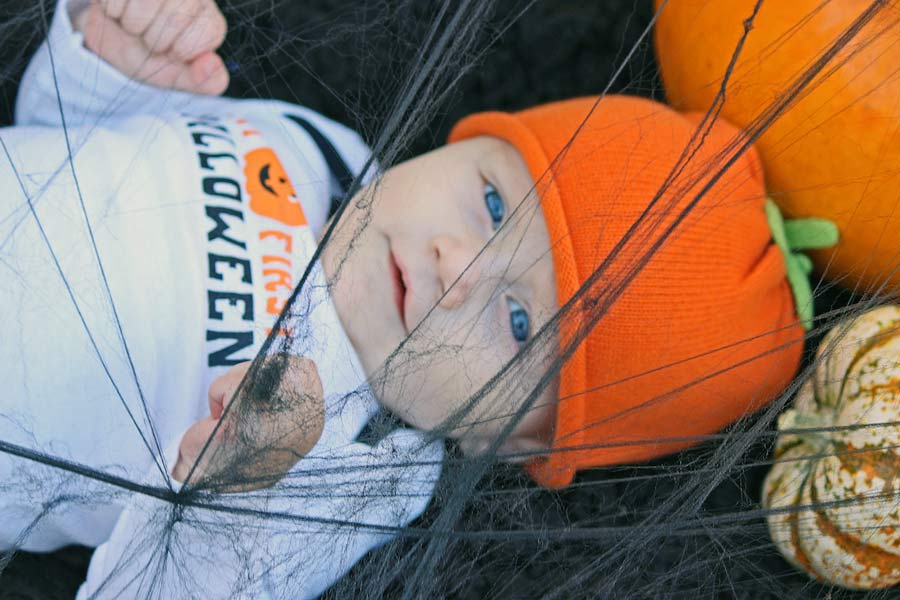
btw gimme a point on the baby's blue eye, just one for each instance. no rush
(495, 205)
(518, 320)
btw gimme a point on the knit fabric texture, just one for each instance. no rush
(672, 273)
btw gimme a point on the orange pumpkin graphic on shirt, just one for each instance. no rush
(271, 193)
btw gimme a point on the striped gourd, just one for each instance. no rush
(835, 495)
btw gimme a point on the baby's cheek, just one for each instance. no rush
(449, 360)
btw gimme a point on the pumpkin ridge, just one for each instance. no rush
(866, 555)
(884, 465)
(893, 383)
(776, 487)
(793, 521)
(779, 452)
(879, 338)
(883, 337)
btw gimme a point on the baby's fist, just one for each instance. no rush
(262, 428)
(165, 43)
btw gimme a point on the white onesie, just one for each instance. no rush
(147, 243)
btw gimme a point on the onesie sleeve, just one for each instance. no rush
(65, 77)
(293, 540)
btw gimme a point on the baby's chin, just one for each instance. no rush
(369, 328)
(400, 381)
(391, 398)
(375, 331)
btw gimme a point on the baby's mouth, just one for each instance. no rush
(399, 289)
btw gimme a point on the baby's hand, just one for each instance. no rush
(165, 43)
(276, 418)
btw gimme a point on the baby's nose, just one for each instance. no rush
(457, 266)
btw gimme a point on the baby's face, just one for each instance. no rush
(450, 273)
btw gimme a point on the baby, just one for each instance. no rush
(163, 230)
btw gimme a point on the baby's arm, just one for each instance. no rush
(291, 539)
(108, 58)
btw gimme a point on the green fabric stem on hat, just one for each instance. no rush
(794, 235)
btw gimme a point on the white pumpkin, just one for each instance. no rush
(835, 495)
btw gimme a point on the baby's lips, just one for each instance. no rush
(401, 288)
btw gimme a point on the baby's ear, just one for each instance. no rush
(520, 449)
(517, 449)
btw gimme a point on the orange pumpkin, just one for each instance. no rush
(835, 152)
(836, 494)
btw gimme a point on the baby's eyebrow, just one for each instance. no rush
(496, 166)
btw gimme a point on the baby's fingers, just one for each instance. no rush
(206, 74)
(204, 34)
(169, 24)
(114, 9)
(187, 29)
(136, 16)
(192, 444)
(277, 418)
(222, 389)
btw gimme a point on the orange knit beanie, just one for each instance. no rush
(706, 330)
